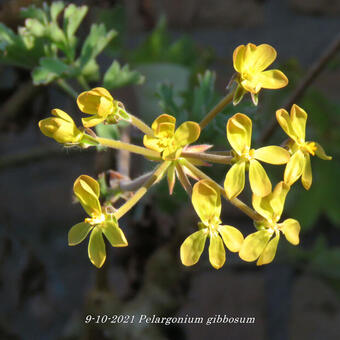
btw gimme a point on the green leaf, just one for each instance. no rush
(18, 50)
(73, 16)
(49, 70)
(35, 27)
(95, 42)
(204, 95)
(116, 76)
(34, 13)
(91, 71)
(107, 131)
(56, 8)
(166, 95)
(56, 34)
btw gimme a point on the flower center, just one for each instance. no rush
(308, 147)
(213, 229)
(247, 155)
(166, 142)
(96, 219)
(272, 224)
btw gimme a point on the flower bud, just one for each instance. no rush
(61, 127)
(99, 103)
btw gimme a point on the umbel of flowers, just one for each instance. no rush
(175, 157)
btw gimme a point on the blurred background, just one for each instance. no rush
(180, 60)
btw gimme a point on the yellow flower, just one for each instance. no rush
(207, 203)
(169, 142)
(239, 130)
(87, 191)
(61, 127)
(299, 165)
(250, 62)
(99, 103)
(262, 245)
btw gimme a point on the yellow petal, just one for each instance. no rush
(272, 155)
(97, 101)
(216, 251)
(89, 122)
(192, 247)
(78, 233)
(87, 191)
(272, 79)
(96, 248)
(153, 143)
(164, 118)
(271, 206)
(91, 182)
(48, 127)
(294, 167)
(238, 58)
(206, 201)
(252, 86)
(291, 229)
(165, 130)
(254, 244)
(239, 129)
(278, 197)
(269, 252)
(307, 176)
(61, 114)
(259, 182)
(298, 119)
(187, 133)
(258, 58)
(262, 206)
(320, 152)
(114, 234)
(235, 180)
(284, 120)
(231, 236)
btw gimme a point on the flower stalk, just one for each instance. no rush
(217, 109)
(139, 124)
(155, 177)
(115, 144)
(207, 157)
(183, 178)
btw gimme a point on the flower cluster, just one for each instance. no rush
(171, 148)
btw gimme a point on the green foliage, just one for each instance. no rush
(94, 44)
(117, 76)
(49, 70)
(158, 47)
(165, 93)
(107, 131)
(50, 49)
